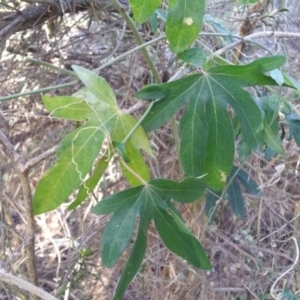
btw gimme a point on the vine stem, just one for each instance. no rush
(155, 74)
(28, 208)
(273, 291)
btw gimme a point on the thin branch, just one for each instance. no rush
(34, 161)
(248, 38)
(13, 280)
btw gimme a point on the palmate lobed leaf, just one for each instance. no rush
(207, 135)
(150, 201)
(96, 106)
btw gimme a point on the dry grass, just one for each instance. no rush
(247, 255)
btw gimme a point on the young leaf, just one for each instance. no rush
(148, 203)
(143, 9)
(184, 22)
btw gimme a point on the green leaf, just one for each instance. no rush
(236, 199)
(220, 147)
(123, 126)
(134, 261)
(211, 202)
(244, 151)
(290, 81)
(272, 140)
(149, 202)
(68, 107)
(119, 200)
(247, 181)
(188, 190)
(154, 22)
(184, 22)
(122, 150)
(277, 76)
(173, 95)
(135, 166)
(143, 9)
(218, 27)
(207, 134)
(76, 154)
(293, 121)
(101, 94)
(117, 234)
(193, 56)
(288, 295)
(162, 14)
(88, 187)
(138, 140)
(194, 132)
(178, 239)
(95, 104)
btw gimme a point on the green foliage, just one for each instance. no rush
(184, 22)
(96, 107)
(149, 201)
(143, 9)
(219, 115)
(194, 56)
(206, 126)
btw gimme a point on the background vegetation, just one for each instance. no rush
(39, 42)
